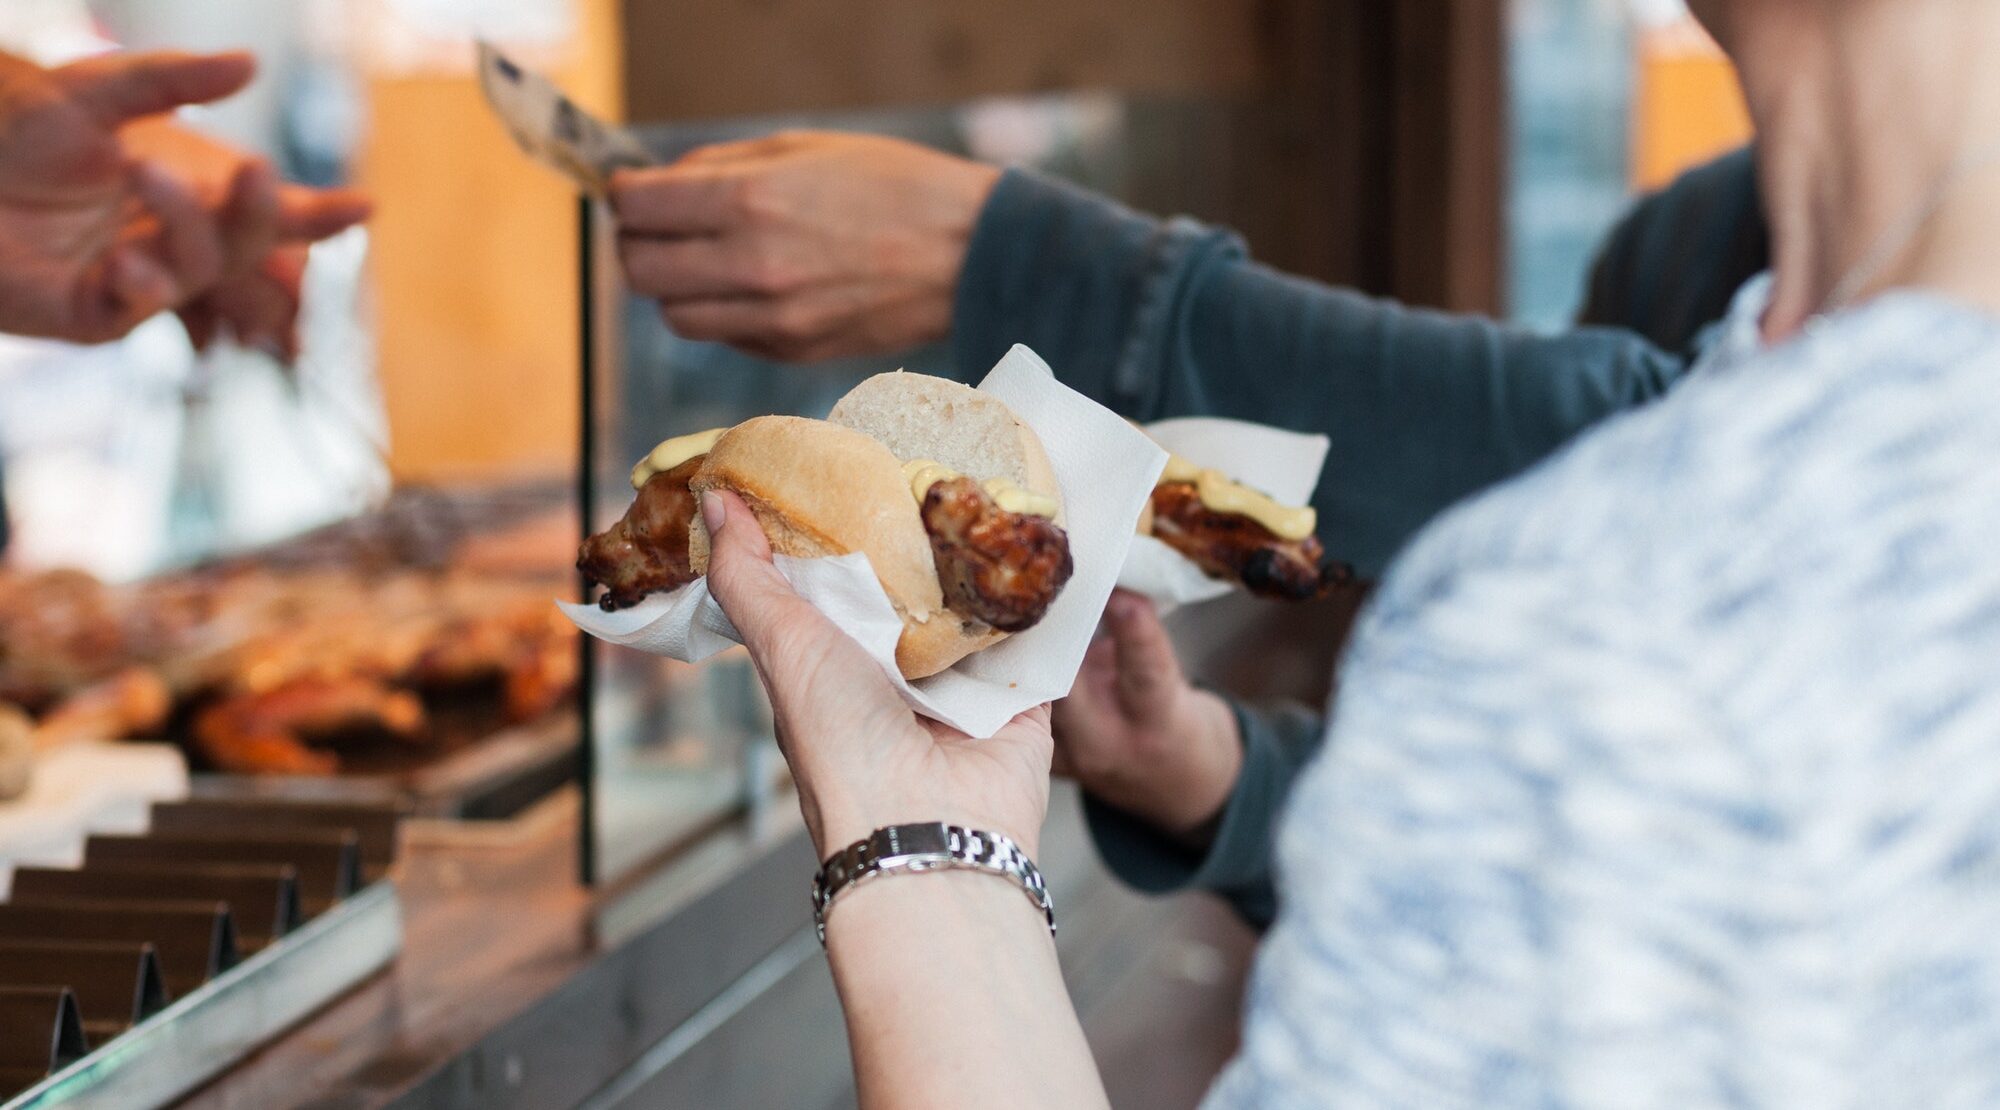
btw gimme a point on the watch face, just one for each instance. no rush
(912, 840)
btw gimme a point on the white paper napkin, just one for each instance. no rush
(1284, 465)
(1107, 470)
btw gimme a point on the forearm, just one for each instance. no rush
(1162, 319)
(954, 997)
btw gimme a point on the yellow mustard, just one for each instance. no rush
(1225, 496)
(672, 453)
(1179, 470)
(1218, 493)
(923, 474)
(1016, 499)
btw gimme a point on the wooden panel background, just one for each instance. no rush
(698, 59)
(1360, 142)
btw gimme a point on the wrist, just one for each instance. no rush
(833, 827)
(971, 186)
(968, 185)
(901, 913)
(921, 848)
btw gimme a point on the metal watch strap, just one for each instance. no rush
(934, 846)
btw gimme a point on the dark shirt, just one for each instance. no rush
(1171, 318)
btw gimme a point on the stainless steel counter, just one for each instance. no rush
(700, 984)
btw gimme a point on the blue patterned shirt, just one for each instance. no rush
(1668, 775)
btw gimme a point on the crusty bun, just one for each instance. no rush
(820, 489)
(836, 486)
(922, 417)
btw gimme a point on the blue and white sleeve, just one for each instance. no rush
(1512, 761)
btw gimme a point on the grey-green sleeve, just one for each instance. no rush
(1168, 318)
(1277, 742)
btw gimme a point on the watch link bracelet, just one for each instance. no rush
(934, 846)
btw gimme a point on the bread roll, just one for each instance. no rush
(17, 751)
(833, 487)
(819, 490)
(921, 417)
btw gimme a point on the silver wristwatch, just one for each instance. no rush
(929, 847)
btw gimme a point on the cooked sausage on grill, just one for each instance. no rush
(995, 566)
(1233, 546)
(647, 551)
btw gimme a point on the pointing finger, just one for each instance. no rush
(126, 86)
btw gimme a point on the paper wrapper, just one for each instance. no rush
(1107, 469)
(1285, 465)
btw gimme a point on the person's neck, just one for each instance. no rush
(1861, 108)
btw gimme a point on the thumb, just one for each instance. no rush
(741, 576)
(1149, 673)
(126, 86)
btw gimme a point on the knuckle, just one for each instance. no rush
(765, 272)
(741, 199)
(630, 189)
(756, 200)
(794, 325)
(722, 577)
(734, 579)
(635, 257)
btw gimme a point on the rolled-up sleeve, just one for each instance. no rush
(1278, 741)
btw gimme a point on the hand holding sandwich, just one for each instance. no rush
(1139, 736)
(949, 495)
(907, 954)
(959, 511)
(862, 759)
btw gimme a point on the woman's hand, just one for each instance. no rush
(933, 970)
(1135, 733)
(804, 245)
(860, 757)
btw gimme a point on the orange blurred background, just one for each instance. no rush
(474, 255)
(1686, 107)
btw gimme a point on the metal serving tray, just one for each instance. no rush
(198, 1036)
